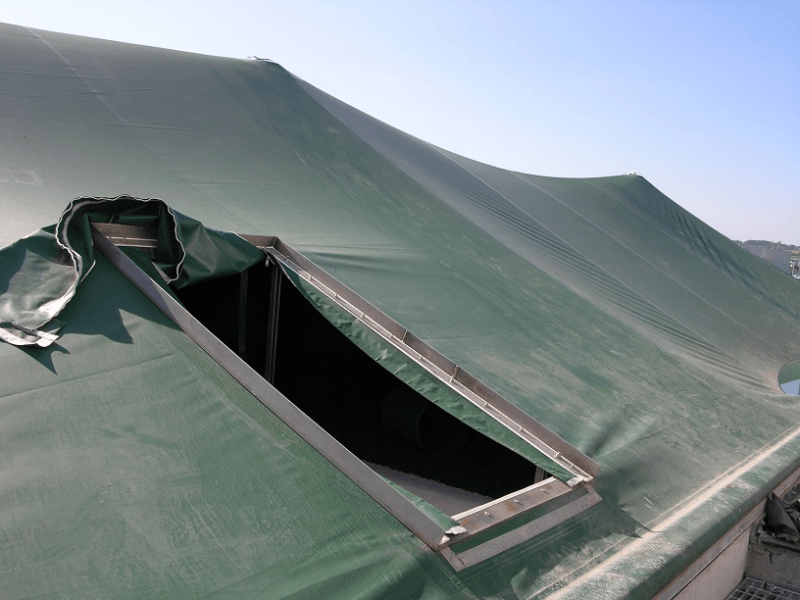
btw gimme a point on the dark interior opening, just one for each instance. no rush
(366, 408)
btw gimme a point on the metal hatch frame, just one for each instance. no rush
(107, 237)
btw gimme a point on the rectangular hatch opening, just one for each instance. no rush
(401, 435)
(394, 444)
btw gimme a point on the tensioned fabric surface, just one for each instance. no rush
(132, 466)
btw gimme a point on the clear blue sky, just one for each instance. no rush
(701, 98)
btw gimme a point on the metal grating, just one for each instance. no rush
(752, 588)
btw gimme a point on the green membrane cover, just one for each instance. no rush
(598, 306)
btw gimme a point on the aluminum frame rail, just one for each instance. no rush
(477, 520)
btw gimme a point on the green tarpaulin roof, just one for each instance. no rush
(134, 466)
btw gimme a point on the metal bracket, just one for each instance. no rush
(525, 532)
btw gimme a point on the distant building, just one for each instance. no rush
(777, 258)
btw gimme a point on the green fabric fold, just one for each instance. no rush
(42, 271)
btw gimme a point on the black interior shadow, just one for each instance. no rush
(345, 391)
